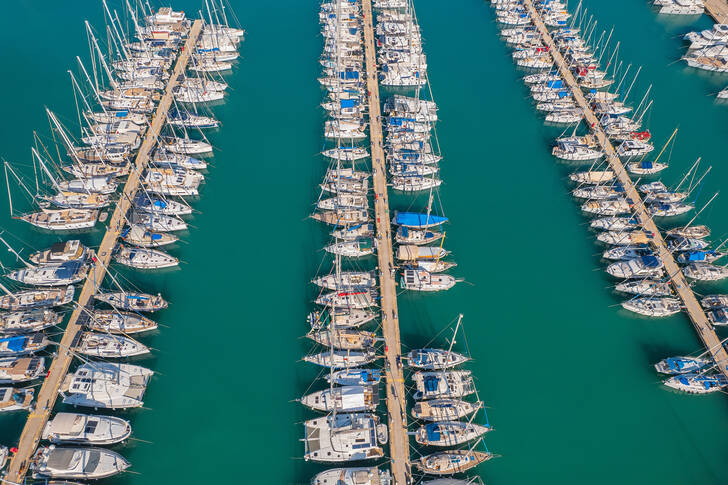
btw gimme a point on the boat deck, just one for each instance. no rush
(394, 376)
(677, 278)
(59, 368)
(718, 9)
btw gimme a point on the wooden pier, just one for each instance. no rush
(48, 394)
(677, 278)
(396, 397)
(718, 9)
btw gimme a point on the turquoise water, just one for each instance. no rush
(567, 375)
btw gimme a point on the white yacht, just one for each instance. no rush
(443, 409)
(421, 280)
(106, 385)
(20, 369)
(431, 385)
(15, 399)
(108, 346)
(347, 280)
(13, 323)
(705, 272)
(51, 274)
(86, 429)
(158, 222)
(139, 235)
(435, 359)
(116, 322)
(83, 463)
(642, 267)
(16, 345)
(653, 306)
(342, 359)
(344, 437)
(61, 252)
(136, 302)
(449, 433)
(353, 476)
(62, 219)
(346, 399)
(44, 297)
(144, 258)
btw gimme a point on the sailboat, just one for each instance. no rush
(449, 433)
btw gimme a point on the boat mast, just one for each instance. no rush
(113, 83)
(701, 210)
(10, 248)
(36, 155)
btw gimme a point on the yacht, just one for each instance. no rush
(645, 167)
(108, 346)
(344, 437)
(138, 235)
(642, 267)
(154, 205)
(652, 306)
(106, 385)
(408, 236)
(696, 232)
(138, 302)
(615, 223)
(352, 249)
(348, 154)
(431, 385)
(98, 185)
(634, 148)
(13, 323)
(28, 299)
(22, 344)
(353, 476)
(347, 280)
(116, 322)
(158, 222)
(718, 34)
(342, 216)
(705, 272)
(680, 7)
(144, 258)
(342, 359)
(184, 146)
(609, 207)
(61, 252)
(413, 220)
(21, 369)
(697, 383)
(714, 301)
(681, 365)
(718, 316)
(165, 159)
(624, 253)
(83, 463)
(451, 461)
(435, 359)
(354, 377)
(357, 231)
(62, 219)
(699, 256)
(345, 399)
(15, 399)
(344, 339)
(173, 181)
(413, 253)
(670, 209)
(443, 409)
(645, 287)
(86, 429)
(449, 433)
(421, 280)
(51, 274)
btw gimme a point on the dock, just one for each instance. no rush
(677, 278)
(394, 376)
(718, 9)
(48, 393)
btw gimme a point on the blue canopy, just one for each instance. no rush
(121, 114)
(556, 84)
(347, 103)
(650, 261)
(350, 75)
(15, 344)
(431, 383)
(646, 164)
(433, 432)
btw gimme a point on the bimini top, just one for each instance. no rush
(415, 219)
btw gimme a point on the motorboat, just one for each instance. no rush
(421, 280)
(61, 252)
(106, 385)
(82, 463)
(86, 429)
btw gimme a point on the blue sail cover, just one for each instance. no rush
(696, 256)
(558, 84)
(347, 103)
(650, 261)
(415, 219)
(350, 75)
(121, 114)
(646, 164)
(15, 344)
(433, 432)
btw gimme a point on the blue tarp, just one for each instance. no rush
(414, 219)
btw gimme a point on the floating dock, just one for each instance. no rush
(677, 278)
(394, 376)
(59, 368)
